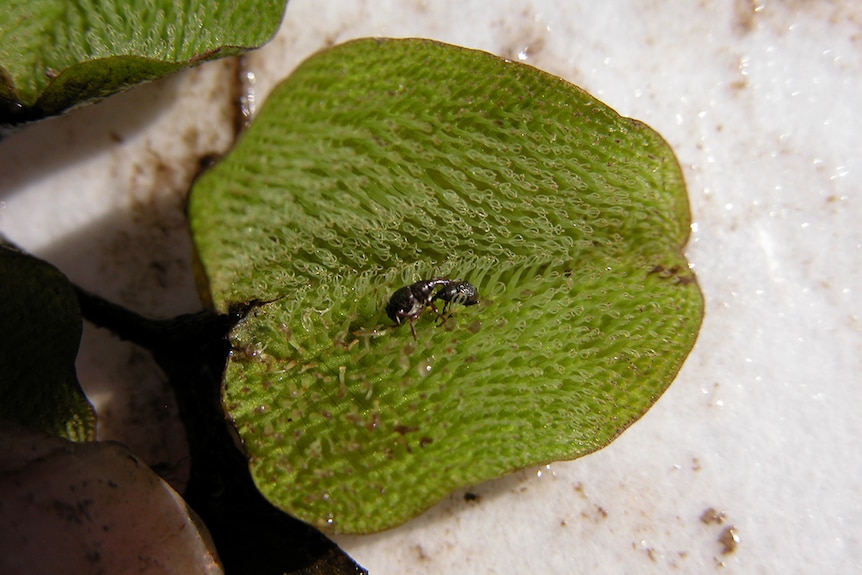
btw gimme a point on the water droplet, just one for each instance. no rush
(425, 366)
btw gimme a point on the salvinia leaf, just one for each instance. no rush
(56, 54)
(380, 163)
(41, 333)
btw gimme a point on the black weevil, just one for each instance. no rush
(410, 301)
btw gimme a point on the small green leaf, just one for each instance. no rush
(41, 332)
(382, 162)
(55, 54)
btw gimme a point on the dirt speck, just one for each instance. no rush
(579, 489)
(405, 429)
(421, 555)
(711, 516)
(729, 539)
(744, 16)
(471, 497)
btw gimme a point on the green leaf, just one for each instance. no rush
(56, 54)
(379, 163)
(41, 332)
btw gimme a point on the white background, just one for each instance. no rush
(760, 101)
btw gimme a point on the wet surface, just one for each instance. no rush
(758, 101)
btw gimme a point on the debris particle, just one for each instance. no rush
(711, 516)
(729, 539)
(471, 497)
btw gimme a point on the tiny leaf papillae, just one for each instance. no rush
(55, 54)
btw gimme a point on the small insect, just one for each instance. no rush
(463, 293)
(410, 301)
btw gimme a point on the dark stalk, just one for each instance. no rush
(251, 535)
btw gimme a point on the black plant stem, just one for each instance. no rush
(250, 534)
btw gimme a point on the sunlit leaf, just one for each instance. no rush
(55, 54)
(379, 163)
